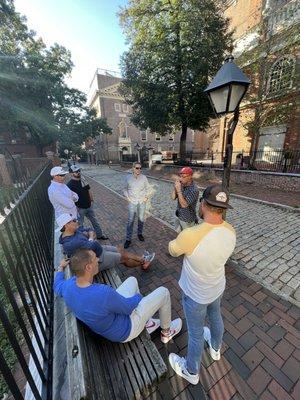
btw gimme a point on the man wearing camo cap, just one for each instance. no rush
(206, 248)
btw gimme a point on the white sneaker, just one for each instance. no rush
(175, 328)
(152, 324)
(179, 366)
(215, 354)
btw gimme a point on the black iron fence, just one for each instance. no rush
(129, 158)
(26, 275)
(275, 160)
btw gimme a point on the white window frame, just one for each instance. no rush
(277, 84)
(117, 107)
(157, 137)
(146, 135)
(171, 137)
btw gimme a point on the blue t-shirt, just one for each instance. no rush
(79, 240)
(100, 307)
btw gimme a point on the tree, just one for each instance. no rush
(33, 94)
(175, 48)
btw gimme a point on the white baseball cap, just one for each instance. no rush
(63, 219)
(58, 171)
(74, 168)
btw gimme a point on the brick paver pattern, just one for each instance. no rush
(268, 241)
(261, 347)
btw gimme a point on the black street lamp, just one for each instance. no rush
(225, 93)
(138, 149)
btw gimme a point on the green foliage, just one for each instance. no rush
(34, 97)
(176, 47)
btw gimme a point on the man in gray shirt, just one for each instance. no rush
(136, 191)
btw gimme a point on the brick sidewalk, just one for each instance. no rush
(261, 349)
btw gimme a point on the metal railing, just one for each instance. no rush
(129, 158)
(275, 160)
(26, 275)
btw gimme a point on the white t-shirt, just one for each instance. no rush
(62, 199)
(136, 188)
(206, 248)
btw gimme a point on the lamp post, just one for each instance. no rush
(225, 93)
(150, 148)
(66, 151)
(138, 149)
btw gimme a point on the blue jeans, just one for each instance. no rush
(90, 214)
(133, 209)
(195, 314)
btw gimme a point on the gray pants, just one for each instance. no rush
(110, 257)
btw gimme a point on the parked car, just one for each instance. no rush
(157, 158)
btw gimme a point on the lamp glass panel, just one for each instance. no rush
(237, 93)
(219, 99)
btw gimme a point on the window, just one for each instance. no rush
(157, 137)
(125, 108)
(117, 107)
(143, 136)
(281, 76)
(171, 137)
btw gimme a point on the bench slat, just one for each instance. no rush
(158, 364)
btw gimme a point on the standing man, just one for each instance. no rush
(206, 249)
(186, 193)
(60, 196)
(85, 200)
(136, 191)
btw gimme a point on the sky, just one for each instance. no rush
(88, 28)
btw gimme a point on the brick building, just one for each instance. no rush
(20, 143)
(108, 103)
(266, 47)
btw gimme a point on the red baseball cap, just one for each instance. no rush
(186, 171)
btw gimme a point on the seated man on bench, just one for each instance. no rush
(119, 315)
(73, 238)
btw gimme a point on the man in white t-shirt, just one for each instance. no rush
(206, 248)
(137, 192)
(61, 197)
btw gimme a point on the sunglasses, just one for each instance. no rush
(74, 220)
(138, 167)
(62, 174)
(77, 172)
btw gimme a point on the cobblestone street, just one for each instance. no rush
(268, 243)
(260, 351)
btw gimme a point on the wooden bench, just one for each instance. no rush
(100, 369)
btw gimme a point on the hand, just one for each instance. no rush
(177, 186)
(64, 262)
(92, 235)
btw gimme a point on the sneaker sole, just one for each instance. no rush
(180, 373)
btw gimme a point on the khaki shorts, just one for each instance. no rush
(110, 257)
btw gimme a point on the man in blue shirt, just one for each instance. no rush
(73, 238)
(119, 314)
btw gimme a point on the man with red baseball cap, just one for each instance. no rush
(186, 193)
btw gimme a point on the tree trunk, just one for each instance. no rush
(182, 149)
(40, 149)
